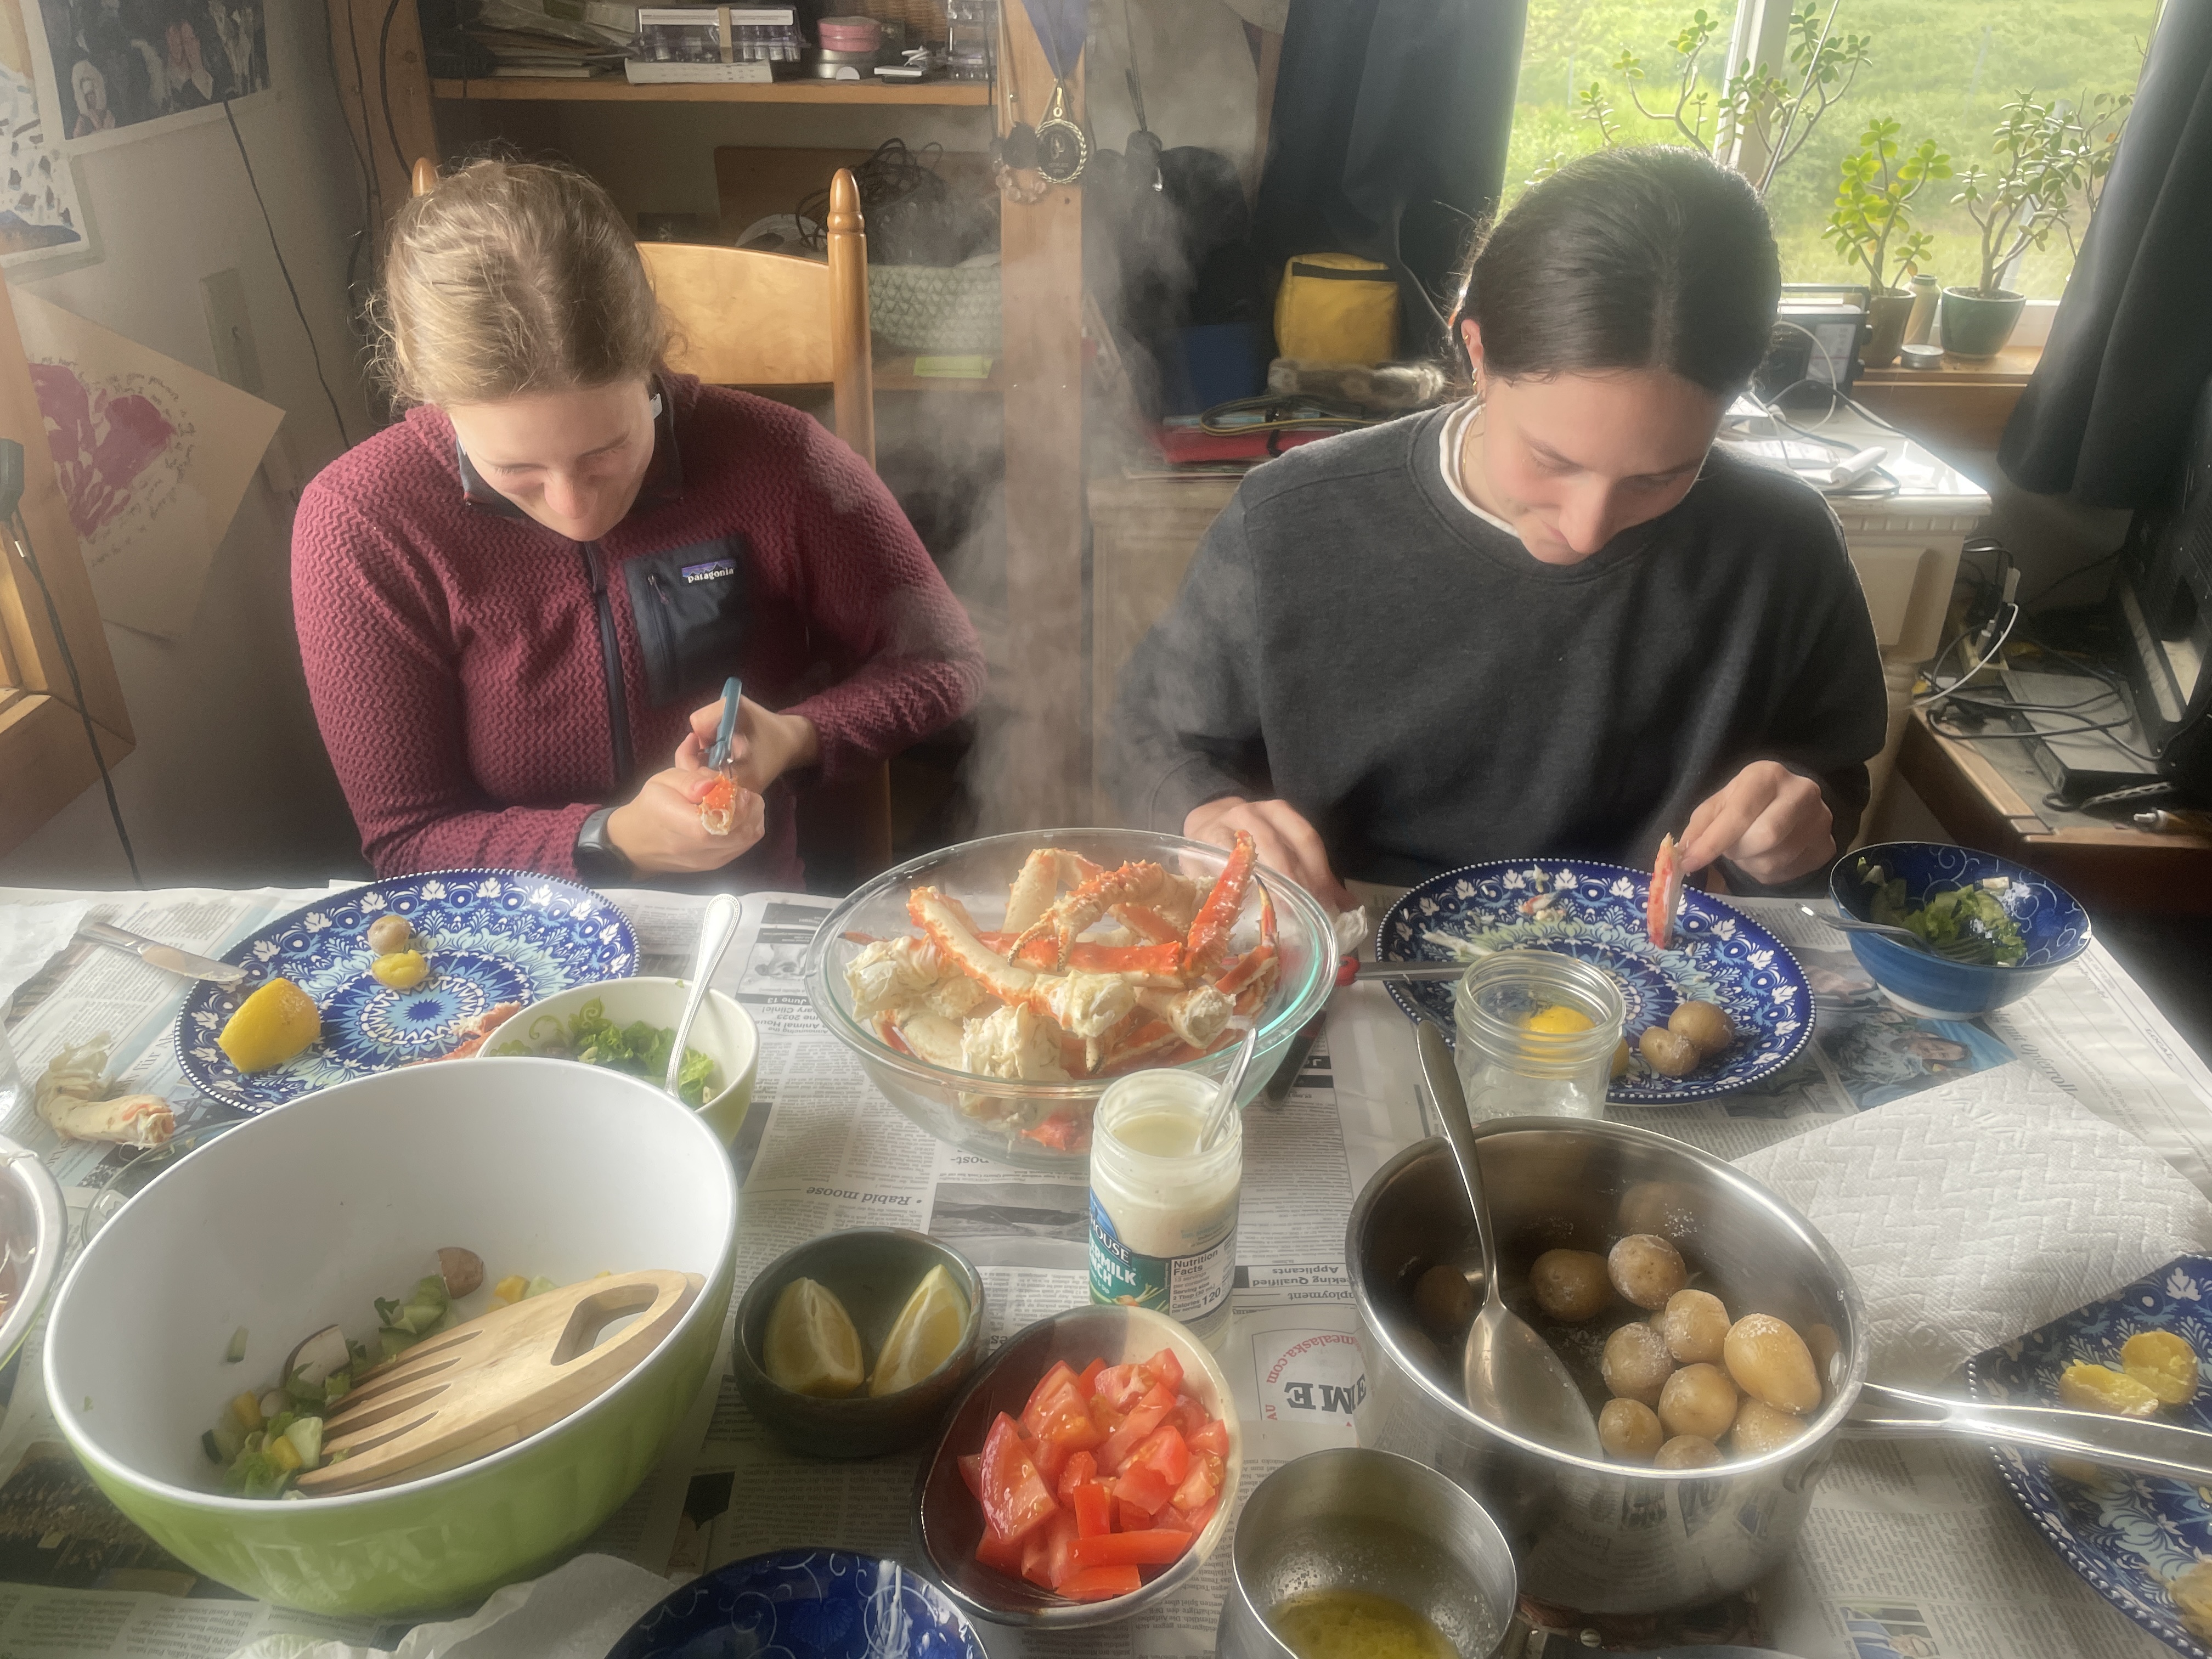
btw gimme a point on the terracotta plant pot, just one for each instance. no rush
(1888, 314)
(1976, 326)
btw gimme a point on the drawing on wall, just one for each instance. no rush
(39, 211)
(152, 456)
(119, 64)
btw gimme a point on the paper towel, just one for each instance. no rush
(1975, 1211)
(578, 1611)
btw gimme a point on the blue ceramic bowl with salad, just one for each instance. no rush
(2024, 924)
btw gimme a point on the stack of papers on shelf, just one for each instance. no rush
(543, 56)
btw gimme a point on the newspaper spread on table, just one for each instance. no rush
(1911, 1549)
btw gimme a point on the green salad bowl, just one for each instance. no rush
(299, 1220)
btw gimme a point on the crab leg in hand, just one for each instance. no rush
(1210, 929)
(1666, 898)
(1084, 1005)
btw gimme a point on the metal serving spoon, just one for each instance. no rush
(1512, 1375)
(715, 929)
(1964, 950)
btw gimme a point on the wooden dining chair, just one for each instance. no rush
(745, 318)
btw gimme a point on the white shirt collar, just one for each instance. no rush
(1453, 441)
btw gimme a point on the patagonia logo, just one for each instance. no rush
(713, 571)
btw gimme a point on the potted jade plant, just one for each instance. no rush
(1872, 227)
(2051, 164)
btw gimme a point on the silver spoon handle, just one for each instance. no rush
(1442, 1079)
(2125, 1443)
(716, 929)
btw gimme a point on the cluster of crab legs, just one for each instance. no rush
(1091, 972)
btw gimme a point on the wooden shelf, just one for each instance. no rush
(897, 374)
(2010, 367)
(974, 94)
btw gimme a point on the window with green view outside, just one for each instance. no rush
(1942, 70)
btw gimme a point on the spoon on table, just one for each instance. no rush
(1964, 949)
(716, 929)
(1512, 1376)
(1224, 1102)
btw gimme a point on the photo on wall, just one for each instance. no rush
(39, 213)
(119, 64)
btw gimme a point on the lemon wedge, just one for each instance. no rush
(929, 1328)
(1557, 1021)
(811, 1347)
(276, 1022)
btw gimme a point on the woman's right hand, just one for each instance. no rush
(1285, 841)
(660, 830)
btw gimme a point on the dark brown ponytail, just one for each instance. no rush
(1649, 258)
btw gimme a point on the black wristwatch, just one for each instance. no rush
(598, 858)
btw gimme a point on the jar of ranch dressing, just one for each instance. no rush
(1163, 1213)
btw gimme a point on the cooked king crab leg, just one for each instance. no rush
(1044, 873)
(1084, 1005)
(1050, 940)
(1210, 929)
(1666, 896)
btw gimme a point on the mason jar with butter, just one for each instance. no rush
(1163, 1209)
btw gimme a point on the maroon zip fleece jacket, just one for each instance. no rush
(454, 653)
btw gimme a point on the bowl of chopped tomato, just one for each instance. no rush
(1090, 1469)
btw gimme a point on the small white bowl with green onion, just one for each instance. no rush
(599, 1024)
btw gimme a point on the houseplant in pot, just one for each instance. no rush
(2051, 159)
(1871, 225)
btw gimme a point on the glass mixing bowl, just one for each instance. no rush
(985, 1115)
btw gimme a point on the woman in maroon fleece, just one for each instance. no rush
(516, 602)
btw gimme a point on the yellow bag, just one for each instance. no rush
(1336, 308)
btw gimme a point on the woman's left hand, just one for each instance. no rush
(1768, 821)
(766, 745)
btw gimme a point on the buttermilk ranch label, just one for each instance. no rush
(1184, 1287)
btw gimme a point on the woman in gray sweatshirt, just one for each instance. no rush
(1554, 619)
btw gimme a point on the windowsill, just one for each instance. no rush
(2010, 368)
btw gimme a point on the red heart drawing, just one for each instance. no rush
(102, 443)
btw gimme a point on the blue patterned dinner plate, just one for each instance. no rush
(1581, 908)
(804, 1604)
(2126, 1534)
(492, 936)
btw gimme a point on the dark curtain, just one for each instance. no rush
(2108, 408)
(1388, 138)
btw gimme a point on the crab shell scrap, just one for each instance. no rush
(718, 807)
(1091, 972)
(1665, 902)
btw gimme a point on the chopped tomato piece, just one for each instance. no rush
(1197, 1518)
(1063, 1132)
(1064, 1419)
(1002, 1554)
(1086, 1384)
(1015, 1496)
(1080, 1469)
(1151, 1548)
(1094, 1508)
(1128, 1517)
(1189, 1416)
(1163, 1450)
(971, 1470)
(1166, 1369)
(1200, 1483)
(1046, 1560)
(1050, 1457)
(1121, 1386)
(1144, 1487)
(1048, 1385)
(1146, 1415)
(1103, 1414)
(1099, 1583)
(1213, 1437)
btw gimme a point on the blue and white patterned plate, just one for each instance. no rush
(2126, 1534)
(492, 936)
(804, 1604)
(1595, 911)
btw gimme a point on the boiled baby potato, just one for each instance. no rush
(2162, 1363)
(1704, 1025)
(1636, 1365)
(1570, 1284)
(389, 934)
(1697, 1400)
(1695, 1324)
(1687, 1451)
(1646, 1269)
(1667, 1053)
(1629, 1430)
(2191, 1591)
(402, 971)
(1443, 1300)
(1760, 1428)
(2087, 1388)
(1770, 1362)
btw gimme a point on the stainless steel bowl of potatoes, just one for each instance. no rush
(1718, 1340)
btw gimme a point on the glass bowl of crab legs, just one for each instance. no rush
(993, 989)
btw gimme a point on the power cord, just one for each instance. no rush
(19, 534)
(299, 311)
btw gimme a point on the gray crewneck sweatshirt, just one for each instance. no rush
(1353, 640)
